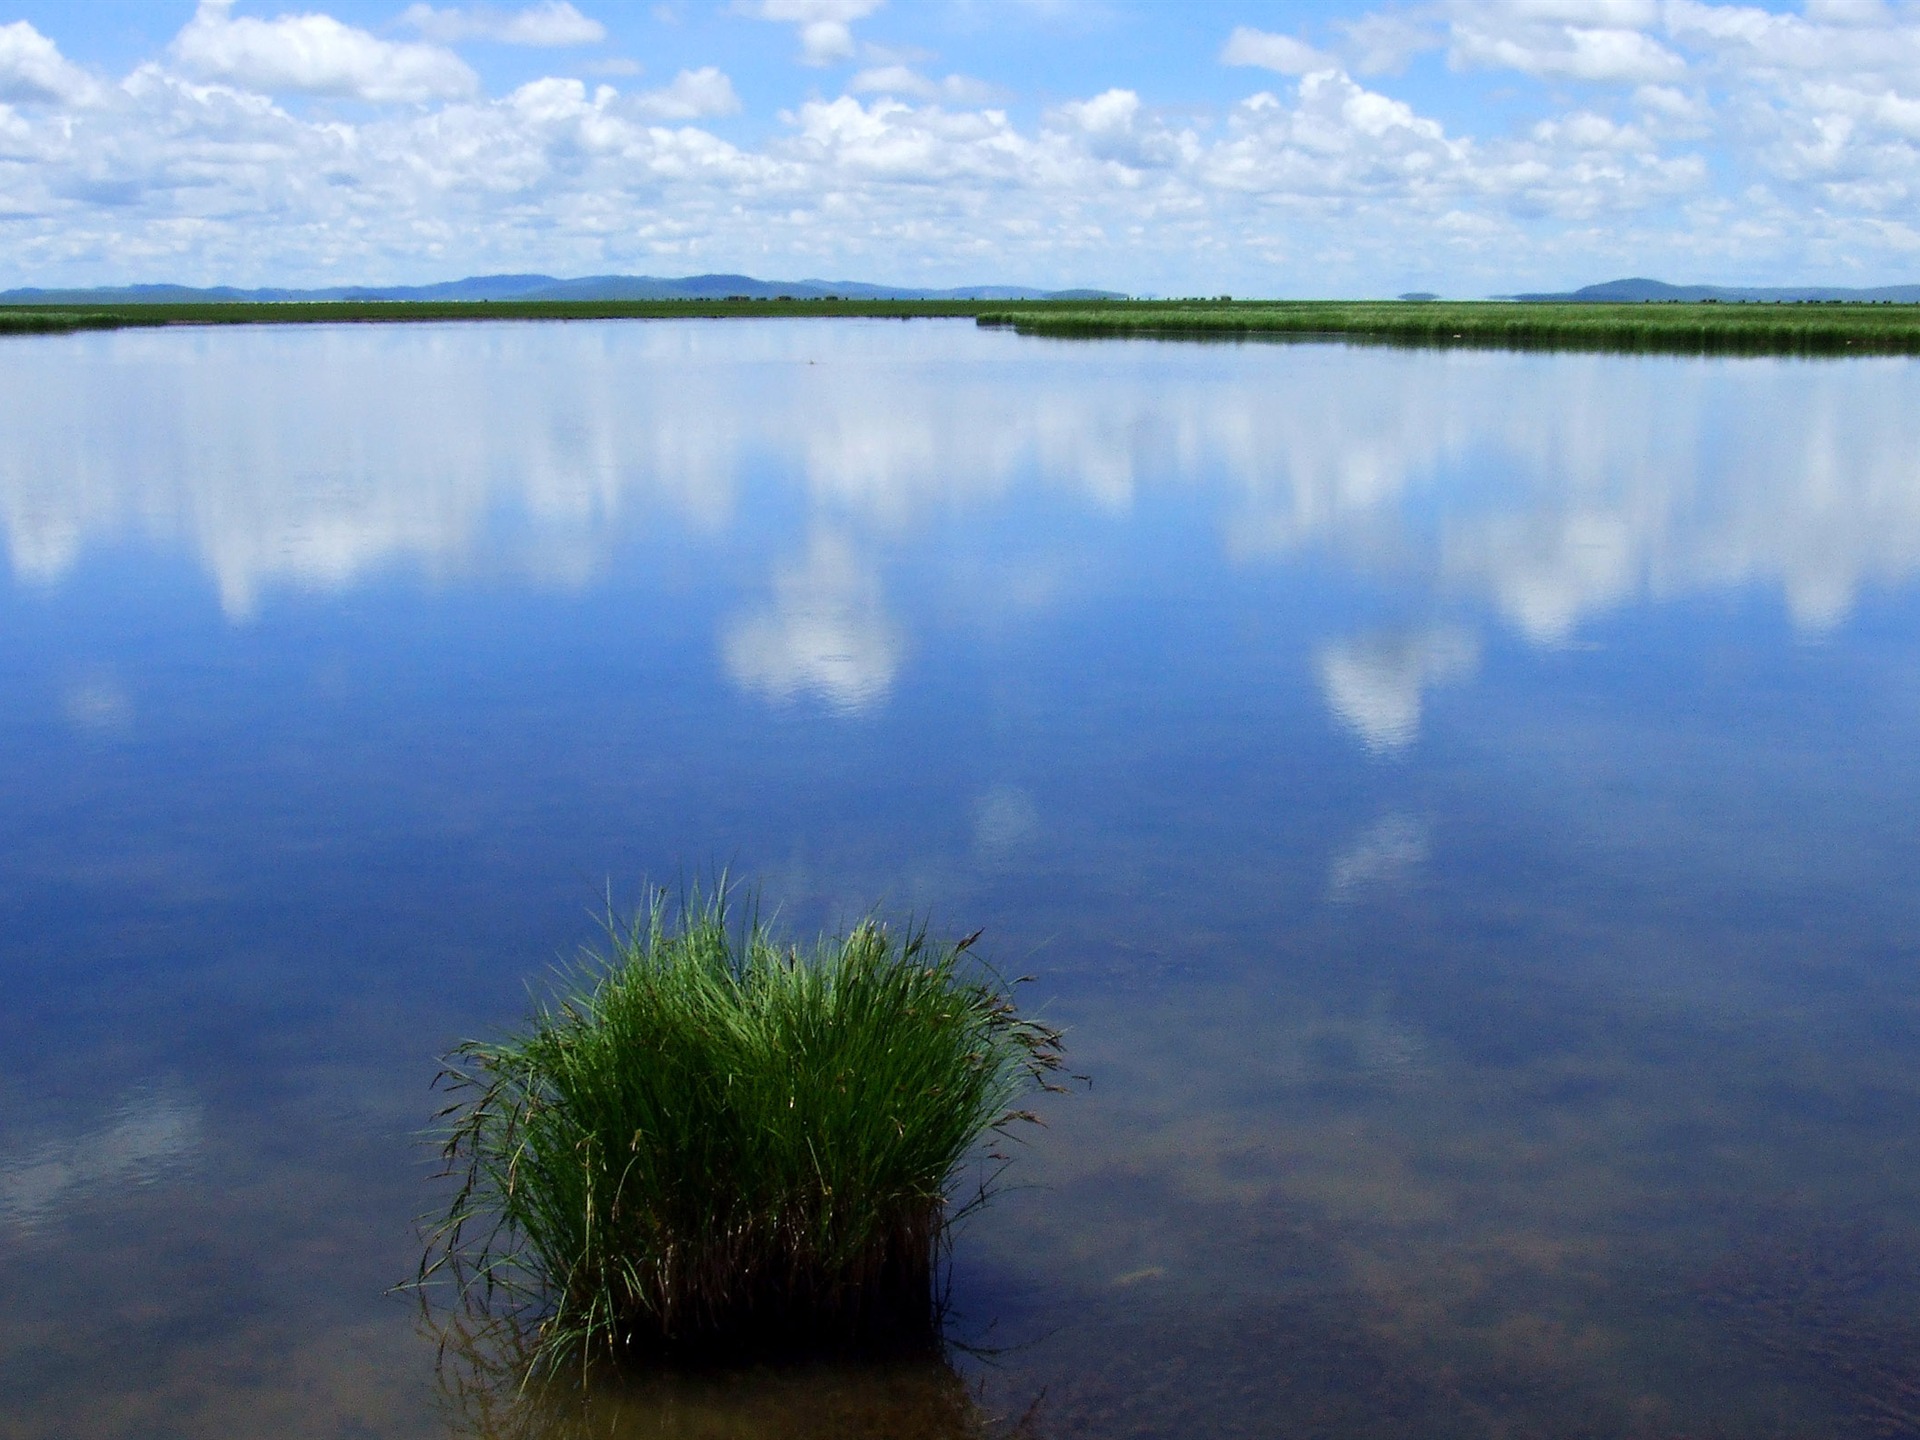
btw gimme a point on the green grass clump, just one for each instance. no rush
(716, 1140)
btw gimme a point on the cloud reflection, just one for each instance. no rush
(149, 1133)
(1382, 856)
(826, 633)
(1547, 490)
(98, 703)
(1377, 683)
(1004, 819)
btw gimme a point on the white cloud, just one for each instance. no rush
(888, 140)
(692, 95)
(1281, 53)
(1562, 51)
(1742, 35)
(1382, 42)
(317, 55)
(825, 26)
(1115, 127)
(1606, 14)
(1338, 139)
(1672, 103)
(1848, 12)
(32, 69)
(190, 169)
(904, 81)
(552, 23)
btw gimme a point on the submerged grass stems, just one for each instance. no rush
(718, 1141)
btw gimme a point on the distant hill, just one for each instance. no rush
(1634, 291)
(546, 287)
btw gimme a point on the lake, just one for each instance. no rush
(1460, 804)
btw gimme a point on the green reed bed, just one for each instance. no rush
(716, 1140)
(1658, 328)
(53, 322)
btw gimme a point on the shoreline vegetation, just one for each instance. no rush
(1682, 328)
(713, 1143)
(1696, 328)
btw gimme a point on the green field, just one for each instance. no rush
(1709, 328)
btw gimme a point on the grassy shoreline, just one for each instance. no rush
(1684, 329)
(1689, 329)
(42, 318)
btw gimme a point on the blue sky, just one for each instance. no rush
(1467, 147)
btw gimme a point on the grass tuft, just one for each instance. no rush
(713, 1140)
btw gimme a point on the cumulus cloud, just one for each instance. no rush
(1383, 41)
(825, 26)
(1338, 138)
(905, 81)
(1718, 138)
(692, 95)
(1115, 127)
(32, 69)
(553, 23)
(1281, 53)
(315, 55)
(1746, 35)
(1594, 40)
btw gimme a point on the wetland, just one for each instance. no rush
(1457, 803)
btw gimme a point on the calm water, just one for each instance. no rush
(1461, 804)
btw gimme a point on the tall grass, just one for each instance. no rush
(717, 1140)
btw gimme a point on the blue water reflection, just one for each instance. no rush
(1458, 801)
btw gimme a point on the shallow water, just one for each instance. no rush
(1460, 804)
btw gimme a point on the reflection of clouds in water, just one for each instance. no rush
(1567, 486)
(313, 459)
(1382, 856)
(826, 634)
(1376, 1046)
(1376, 684)
(1554, 487)
(150, 1133)
(1004, 819)
(97, 702)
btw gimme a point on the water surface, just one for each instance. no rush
(1460, 804)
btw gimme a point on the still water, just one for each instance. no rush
(1462, 806)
